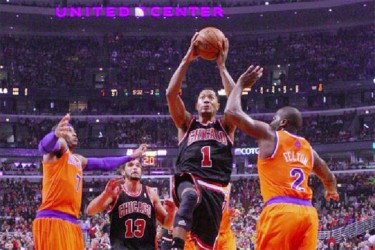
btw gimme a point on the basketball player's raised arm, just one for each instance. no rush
(54, 141)
(226, 78)
(321, 170)
(110, 193)
(164, 214)
(228, 83)
(235, 113)
(110, 163)
(175, 104)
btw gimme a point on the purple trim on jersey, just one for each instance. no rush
(57, 215)
(290, 200)
(276, 144)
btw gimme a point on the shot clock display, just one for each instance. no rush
(149, 161)
(150, 156)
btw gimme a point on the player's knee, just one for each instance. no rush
(184, 215)
(190, 197)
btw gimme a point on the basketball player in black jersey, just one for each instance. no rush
(204, 164)
(134, 209)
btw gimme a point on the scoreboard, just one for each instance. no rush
(124, 92)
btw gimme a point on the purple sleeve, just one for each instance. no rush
(49, 143)
(106, 163)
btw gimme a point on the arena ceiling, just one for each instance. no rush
(15, 19)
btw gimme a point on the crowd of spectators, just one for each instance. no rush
(160, 131)
(121, 62)
(19, 200)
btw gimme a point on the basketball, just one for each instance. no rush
(208, 38)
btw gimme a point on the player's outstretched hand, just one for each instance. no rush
(250, 76)
(331, 196)
(139, 151)
(113, 186)
(63, 127)
(169, 206)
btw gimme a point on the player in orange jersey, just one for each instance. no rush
(226, 239)
(285, 161)
(56, 226)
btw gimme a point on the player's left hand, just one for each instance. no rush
(169, 206)
(223, 53)
(139, 151)
(331, 196)
(250, 76)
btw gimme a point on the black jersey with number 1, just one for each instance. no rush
(206, 151)
(133, 222)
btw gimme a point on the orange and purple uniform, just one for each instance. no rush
(288, 221)
(226, 239)
(56, 226)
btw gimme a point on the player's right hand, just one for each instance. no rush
(62, 127)
(192, 52)
(169, 206)
(331, 196)
(113, 188)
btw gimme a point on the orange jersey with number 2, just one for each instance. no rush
(288, 221)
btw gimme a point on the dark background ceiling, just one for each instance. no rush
(361, 12)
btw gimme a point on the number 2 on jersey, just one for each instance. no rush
(206, 157)
(299, 176)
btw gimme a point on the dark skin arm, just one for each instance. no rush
(326, 176)
(254, 128)
(180, 115)
(228, 84)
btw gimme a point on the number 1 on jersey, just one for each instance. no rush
(206, 155)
